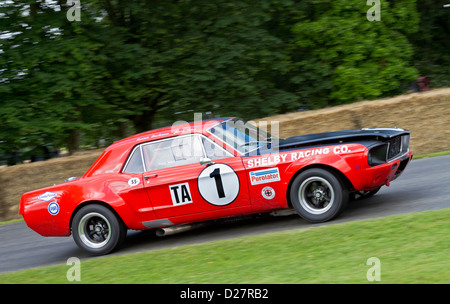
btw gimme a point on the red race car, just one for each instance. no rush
(210, 170)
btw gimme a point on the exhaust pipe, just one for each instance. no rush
(283, 212)
(178, 229)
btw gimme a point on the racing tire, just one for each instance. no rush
(98, 230)
(318, 195)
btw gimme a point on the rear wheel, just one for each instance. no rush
(318, 195)
(97, 230)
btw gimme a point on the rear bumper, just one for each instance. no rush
(383, 174)
(40, 217)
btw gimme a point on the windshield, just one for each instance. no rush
(240, 135)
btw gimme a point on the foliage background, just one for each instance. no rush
(129, 66)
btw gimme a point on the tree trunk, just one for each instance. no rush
(124, 130)
(144, 121)
(74, 141)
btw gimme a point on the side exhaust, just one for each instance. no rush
(186, 227)
(178, 229)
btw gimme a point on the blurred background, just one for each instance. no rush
(128, 66)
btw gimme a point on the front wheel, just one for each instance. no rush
(318, 195)
(97, 230)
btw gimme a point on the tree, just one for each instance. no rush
(431, 44)
(50, 72)
(342, 57)
(195, 56)
(132, 61)
(124, 66)
(230, 62)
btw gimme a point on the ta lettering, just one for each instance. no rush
(181, 194)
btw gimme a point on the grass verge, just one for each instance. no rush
(432, 154)
(411, 248)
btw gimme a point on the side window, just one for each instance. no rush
(214, 151)
(134, 164)
(177, 151)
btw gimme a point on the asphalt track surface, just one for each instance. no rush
(423, 186)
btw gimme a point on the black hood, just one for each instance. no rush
(366, 137)
(381, 134)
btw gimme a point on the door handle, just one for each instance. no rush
(147, 177)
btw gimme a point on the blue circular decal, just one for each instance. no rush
(53, 208)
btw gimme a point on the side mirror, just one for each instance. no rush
(206, 161)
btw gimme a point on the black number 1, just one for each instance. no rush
(216, 175)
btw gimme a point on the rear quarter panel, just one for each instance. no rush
(128, 200)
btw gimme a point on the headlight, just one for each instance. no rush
(377, 155)
(405, 143)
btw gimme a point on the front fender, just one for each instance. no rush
(350, 160)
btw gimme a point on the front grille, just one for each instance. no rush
(395, 147)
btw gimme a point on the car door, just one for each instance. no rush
(178, 184)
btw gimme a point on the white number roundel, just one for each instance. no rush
(218, 184)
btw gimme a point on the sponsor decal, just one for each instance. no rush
(264, 176)
(320, 151)
(142, 138)
(274, 160)
(134, 181)
(308, 153)
(53, 208)
(268, 192)
(181, 194)
(47, 196)
(341, 150)
(218, 184)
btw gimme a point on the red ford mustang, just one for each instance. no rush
(210, 170)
